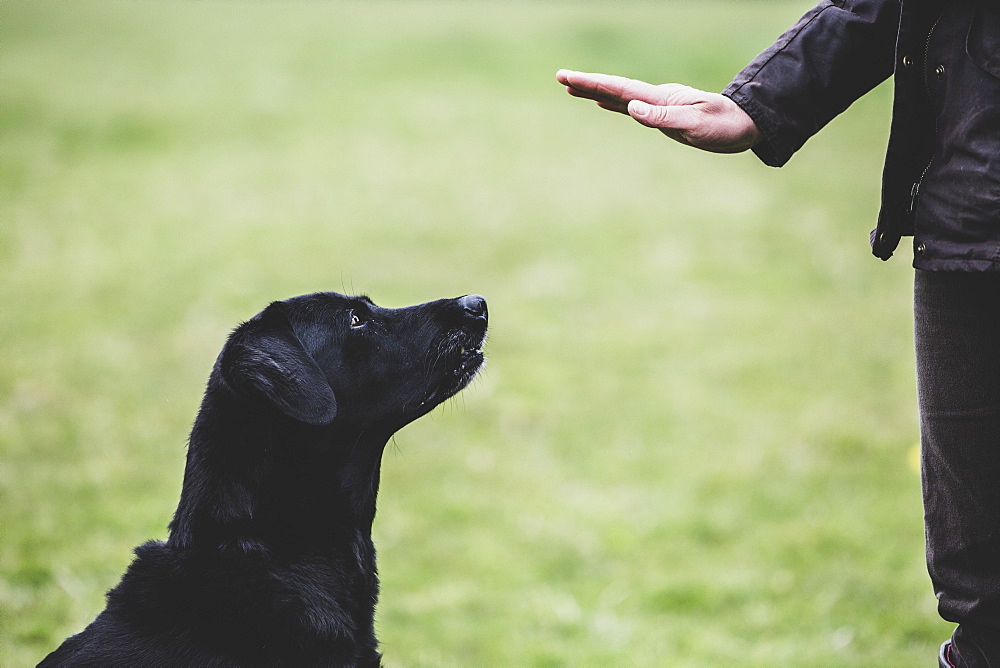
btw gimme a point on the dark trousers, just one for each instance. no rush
(957, 334)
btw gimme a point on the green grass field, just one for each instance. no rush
(695, 440)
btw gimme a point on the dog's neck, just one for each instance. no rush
(253, 482)
(260, 490)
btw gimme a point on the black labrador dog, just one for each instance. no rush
(270, 560)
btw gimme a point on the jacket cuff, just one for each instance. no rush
(767, 148)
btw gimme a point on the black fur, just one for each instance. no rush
(270, 560)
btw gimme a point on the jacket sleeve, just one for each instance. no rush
(836, 53)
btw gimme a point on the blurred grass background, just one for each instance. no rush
(695, 441)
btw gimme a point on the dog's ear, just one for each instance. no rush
(265, 357)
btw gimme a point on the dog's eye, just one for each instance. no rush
(356, 321)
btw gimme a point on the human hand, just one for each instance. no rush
(708, 121)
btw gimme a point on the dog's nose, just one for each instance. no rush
(474, 305)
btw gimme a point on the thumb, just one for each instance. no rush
(656, 116)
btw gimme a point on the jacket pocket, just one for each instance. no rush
(983, 42)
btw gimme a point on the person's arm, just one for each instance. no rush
(832, 56)
(816, 69)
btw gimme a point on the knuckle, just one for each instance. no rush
(672, 90)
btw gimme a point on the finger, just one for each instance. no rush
(586, 94)
(580, 79)
(608, 86)
(614, 106)
(611, 104)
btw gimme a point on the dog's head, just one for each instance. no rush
(326, 358)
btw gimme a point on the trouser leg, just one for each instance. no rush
(957, 334)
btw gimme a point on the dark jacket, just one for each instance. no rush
(941, 182)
